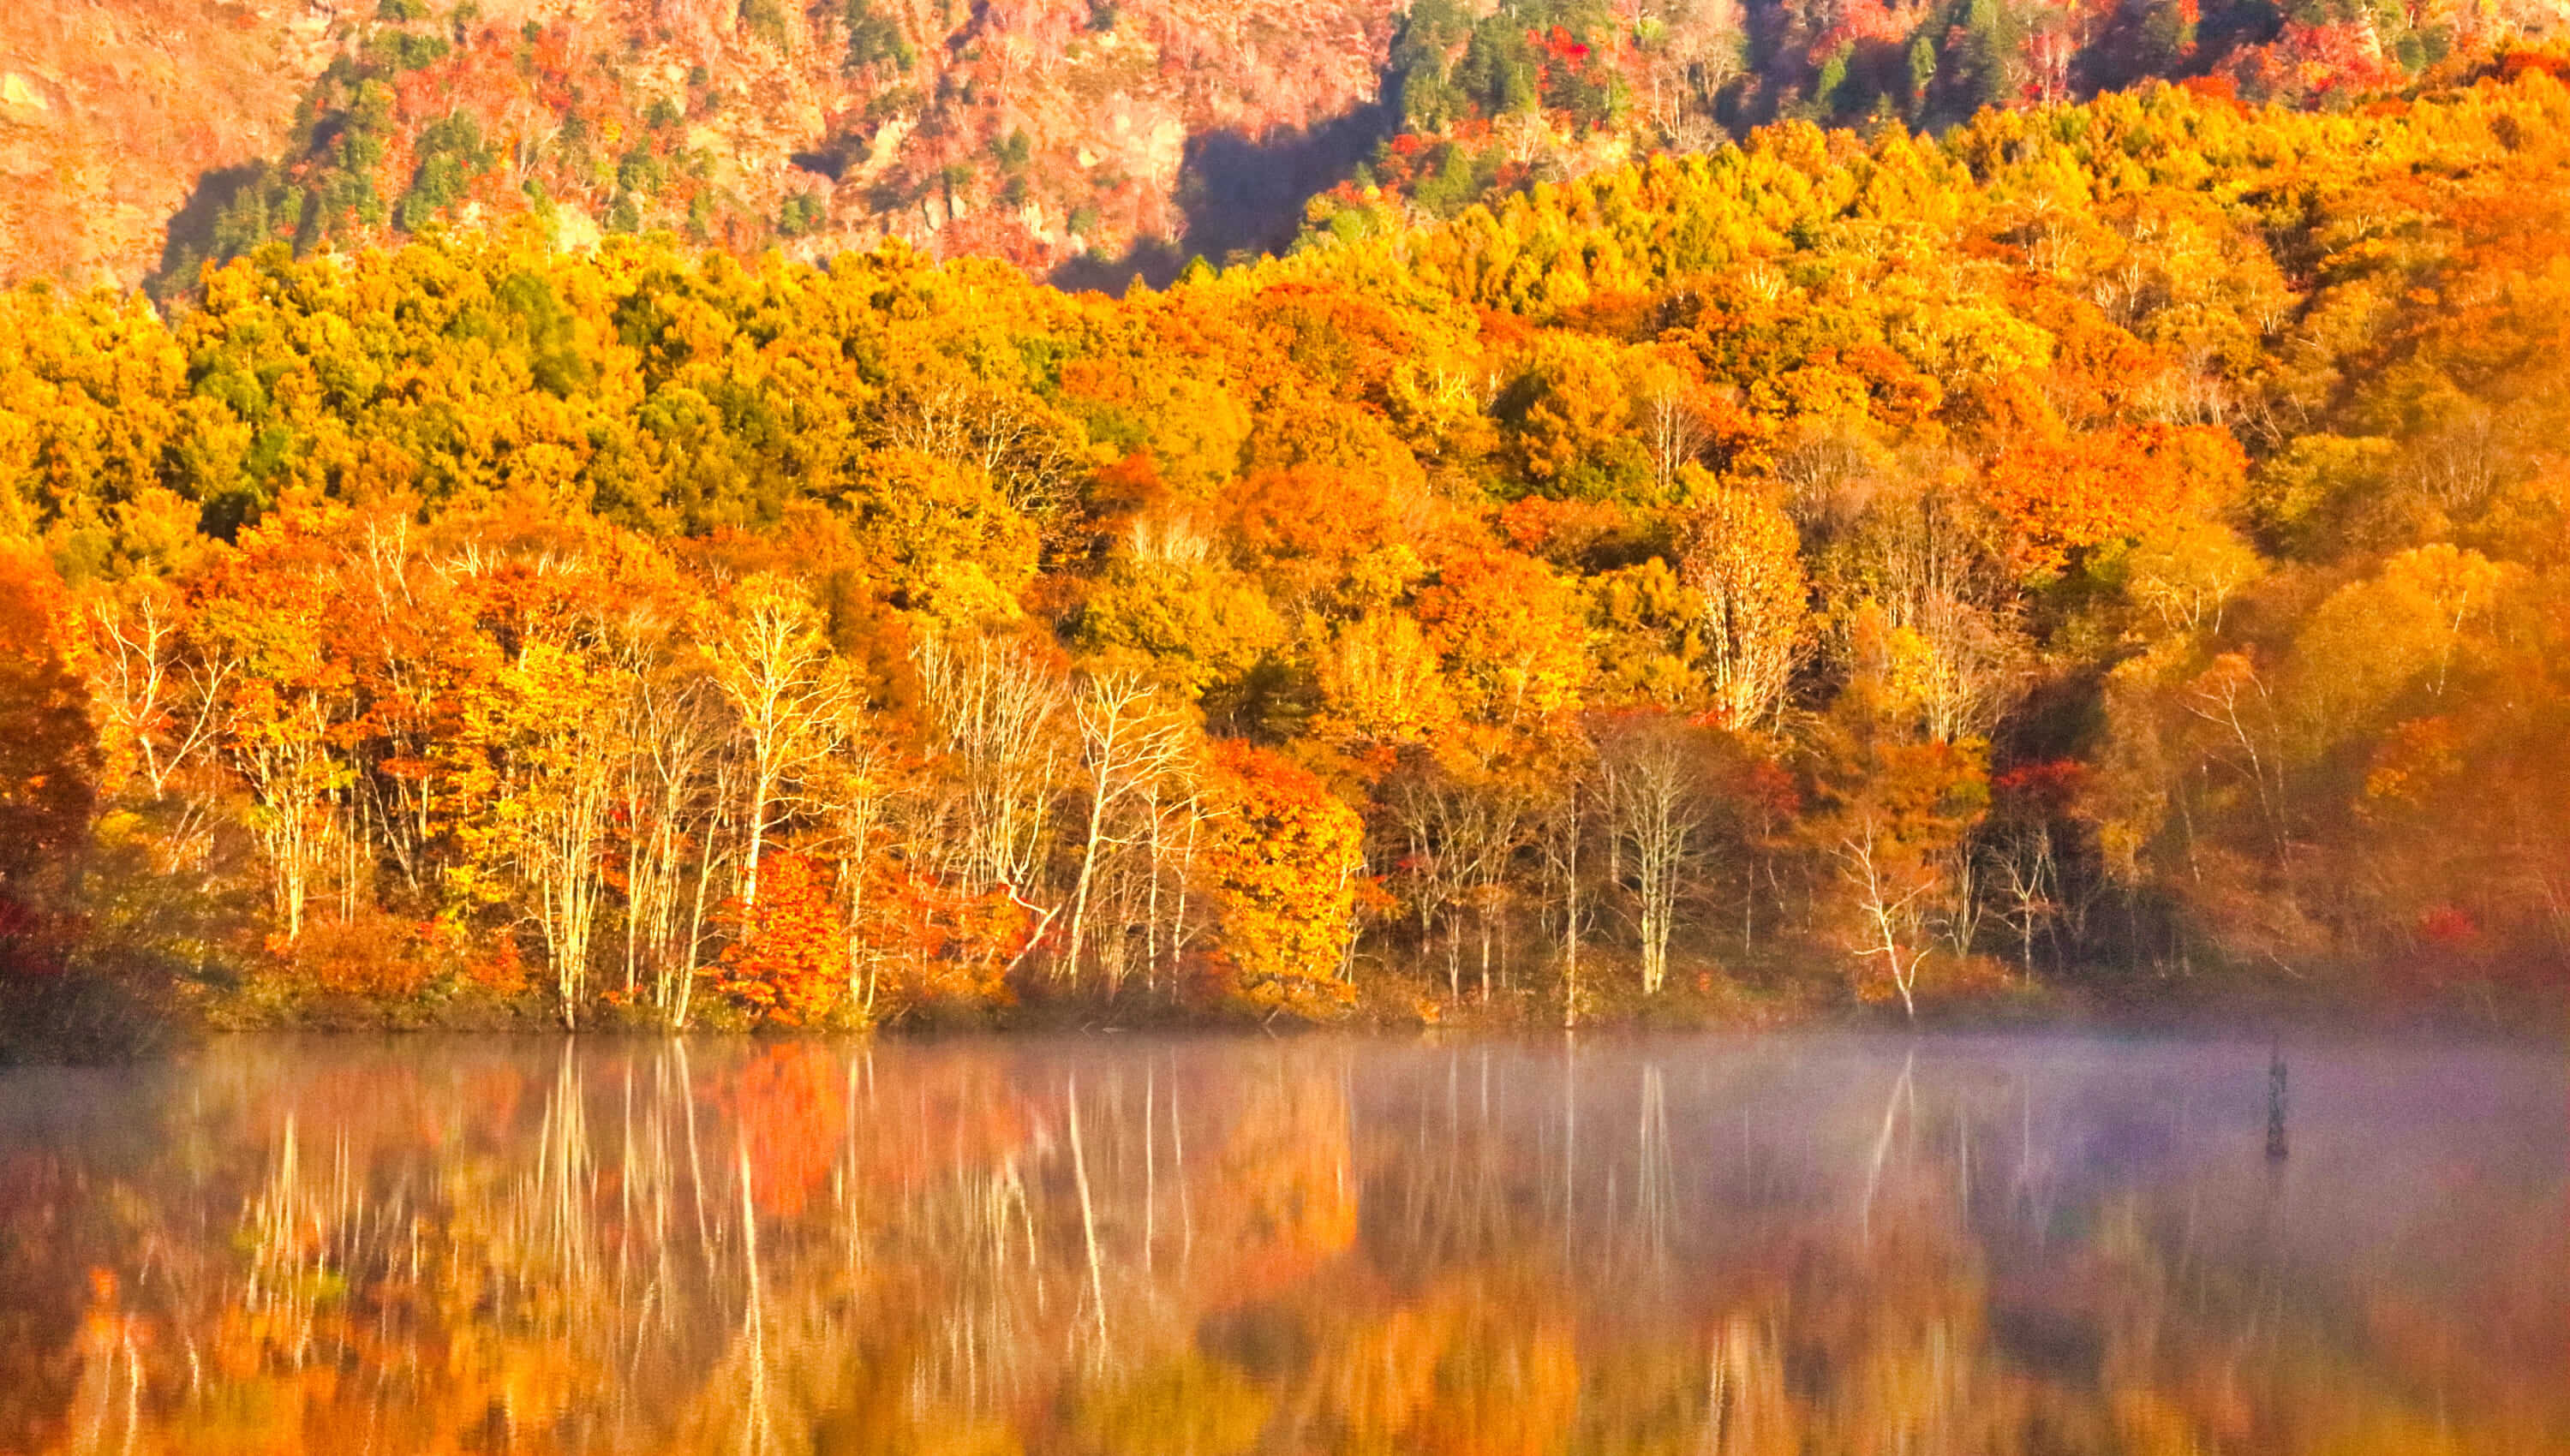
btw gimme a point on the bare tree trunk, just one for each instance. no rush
(994, 707)
(1656, 809)
(773, 661)
(1888, 912)
(1151, 907)
(1127, 745)
(1571, 915)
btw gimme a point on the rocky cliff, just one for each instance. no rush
(1046, 132)
(112, 110)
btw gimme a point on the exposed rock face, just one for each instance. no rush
(111, 110)
(1041, 131)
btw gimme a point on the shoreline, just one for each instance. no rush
(104, 1029)
(2062, 1015)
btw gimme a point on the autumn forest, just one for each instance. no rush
(2108, 555)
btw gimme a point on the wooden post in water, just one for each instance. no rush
(2275, 1144)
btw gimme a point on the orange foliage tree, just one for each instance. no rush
(1513, 637)
(46, 752)
(2060, 494)
(1282, 861)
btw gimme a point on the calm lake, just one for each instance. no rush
(1120, 1244)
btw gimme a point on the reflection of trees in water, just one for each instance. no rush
(1727, 1248)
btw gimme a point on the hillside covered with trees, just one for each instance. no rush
(2113, 551)
(1487, 98)
(1085, 140)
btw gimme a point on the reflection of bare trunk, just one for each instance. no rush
(757, 1433)
(110, 1392)
(1087, 1213)
(1747, 1409)
(1151, 1163)
(1570, 1149)
(1178, 1160)
(1654, 1175)
(1901, 1092)
(557, 1235)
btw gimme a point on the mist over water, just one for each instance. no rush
(1119, 1244)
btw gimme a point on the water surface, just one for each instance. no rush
(1126, 1245)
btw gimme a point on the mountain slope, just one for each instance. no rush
(111, 110)
(1082, 139)
(1033, 130)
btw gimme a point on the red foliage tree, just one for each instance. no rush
(789, 965)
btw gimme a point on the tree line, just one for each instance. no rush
(2113, 548)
